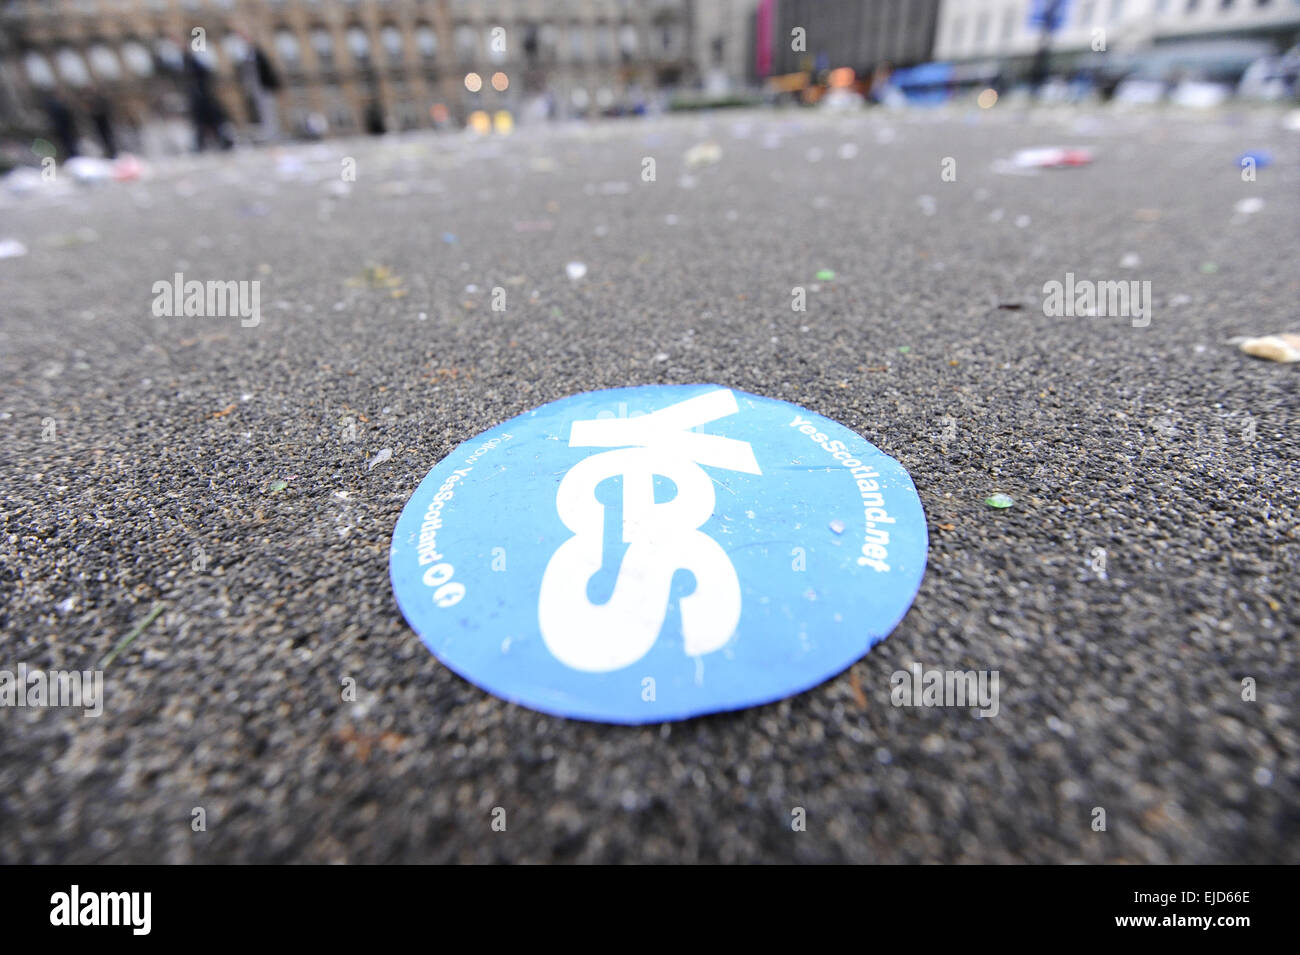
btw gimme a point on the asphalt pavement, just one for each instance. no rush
(1143, 578)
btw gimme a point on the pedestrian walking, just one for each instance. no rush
(206, 113)
(260, 83)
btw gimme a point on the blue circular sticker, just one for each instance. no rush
(654, 553)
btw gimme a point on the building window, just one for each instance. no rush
(72, 67)
(981, 29)
(577, 44)
(1008, 23)
(137, 58)
(38, 71)
(235, 47)
(323, 44)
(426, 41)
(391, 37)
(603, 43)
(466, 43)
(104, 63)
(170, 54)
(359, 44)
(627, 40)
(955, 34)
(286, 45)
(549, 40)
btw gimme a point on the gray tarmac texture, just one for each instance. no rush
(171, 434)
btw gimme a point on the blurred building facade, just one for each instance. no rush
(862, 34)
(1001, 29)
(723, 47)
(338, 57)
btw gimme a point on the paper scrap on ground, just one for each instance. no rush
(1284, 347)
